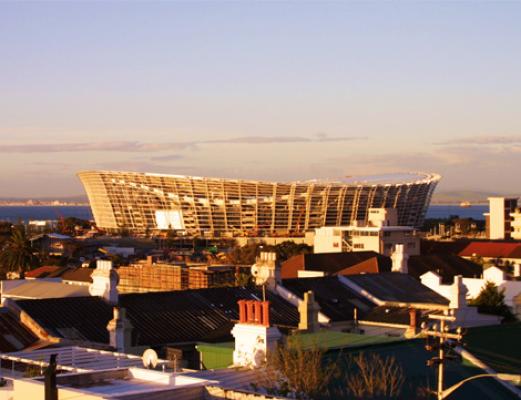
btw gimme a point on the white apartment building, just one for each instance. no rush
(498, 219)
(381, 234)
(515, 224)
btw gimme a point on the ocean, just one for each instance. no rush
(25, 213)
(441, 211)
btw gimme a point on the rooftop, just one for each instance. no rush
(42, 289)
(42, 272)
(381, 179)
(497, 346)
(78, 359)
(492, 249)
(445, 265)
(14, 336)
(339, 340)
(412, 357)
(336, 300)
(158, 318)
(334, 263)
(393, 287)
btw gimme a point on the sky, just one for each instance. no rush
(261, 90)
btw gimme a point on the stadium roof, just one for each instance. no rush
(371, 180)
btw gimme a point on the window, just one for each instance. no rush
(359, 246)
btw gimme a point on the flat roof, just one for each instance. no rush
(80, 359)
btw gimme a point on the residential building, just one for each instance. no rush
(498, 218)
(447, 266)
(499, 253)
(381, 234)
(146, 203)
(474, 286)
(325, 264)
(515, 224)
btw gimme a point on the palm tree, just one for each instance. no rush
(17, 254)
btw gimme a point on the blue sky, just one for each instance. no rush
(264, 90)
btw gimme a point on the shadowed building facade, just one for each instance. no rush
(145, 202)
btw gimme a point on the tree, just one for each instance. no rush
(491, 300)
(67, 226)
(18, 255)
(243, 277)
(374, 377)
(297, 371)
(246, 254)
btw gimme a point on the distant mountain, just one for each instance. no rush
(472, 196)
(64, 199)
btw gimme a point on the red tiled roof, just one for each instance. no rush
(492, 250)
(41, 272)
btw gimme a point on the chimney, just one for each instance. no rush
(458, 293)
(254, 337)
(120, 331)
(413, 323)
(105, 280)
(308, 310)
(399, 259)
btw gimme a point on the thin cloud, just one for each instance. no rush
(324, 137)
(168, 157)
(483, 140)
(283, 139)
(142, 147)
(260, 140)
(122, 146)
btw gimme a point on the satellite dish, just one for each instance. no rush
(149, 358)
(260, 273)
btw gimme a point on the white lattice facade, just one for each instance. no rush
(142, 202)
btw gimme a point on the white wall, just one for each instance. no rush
(474, 285)
(497, 218)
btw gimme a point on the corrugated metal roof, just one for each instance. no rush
(158, 318)
(41, 289)
(445, 265)
(397, 287)
(336, 300)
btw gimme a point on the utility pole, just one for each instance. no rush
(442, 332)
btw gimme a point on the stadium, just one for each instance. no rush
(217, 207)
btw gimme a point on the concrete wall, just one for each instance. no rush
(25, 389)
(215, 392)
